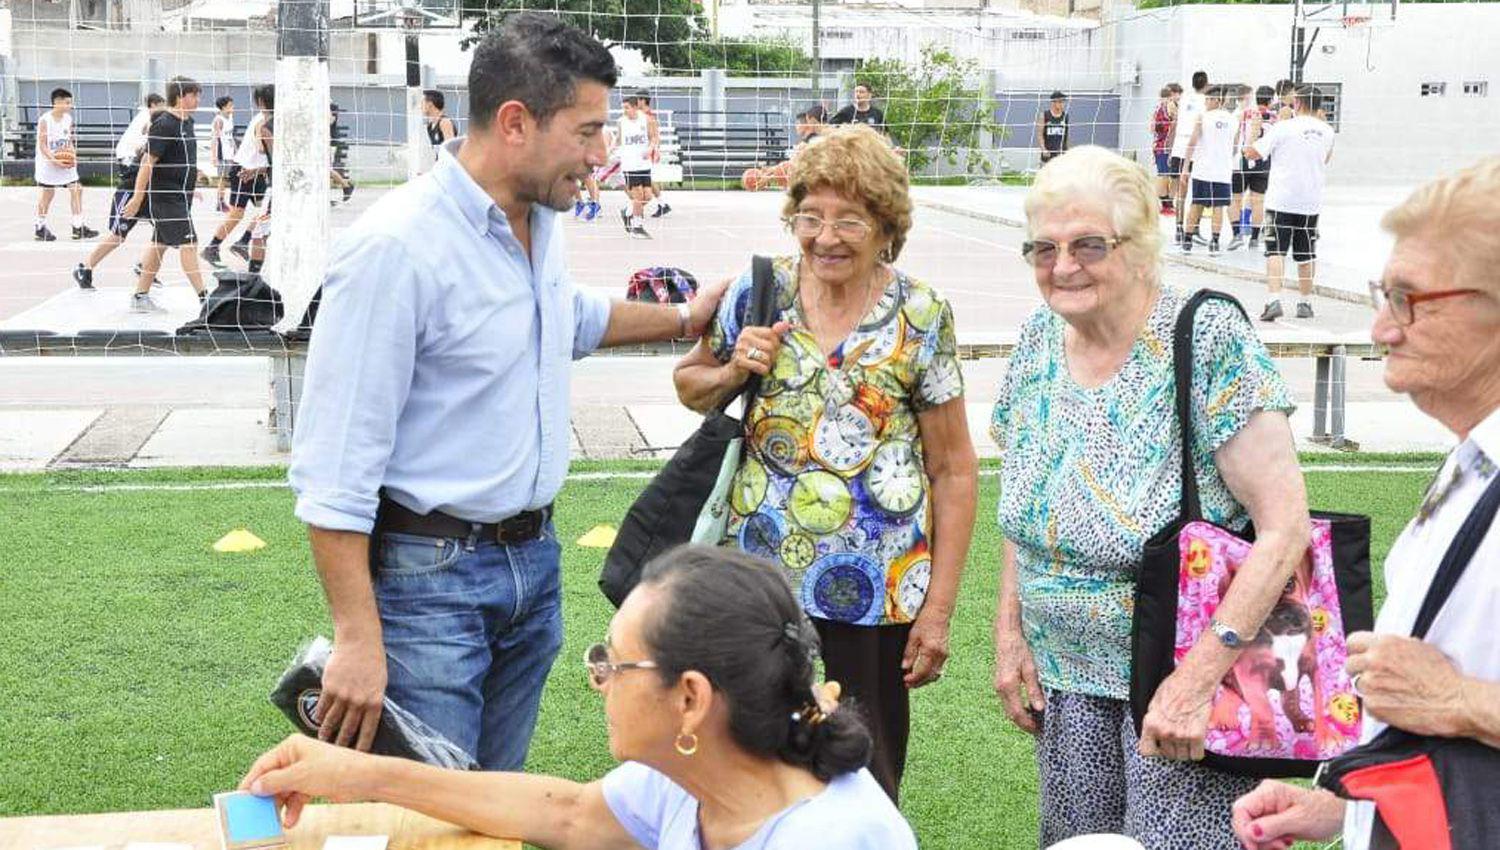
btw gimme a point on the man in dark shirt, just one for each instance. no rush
(164, 186)
(861, 110)
(1052, 128)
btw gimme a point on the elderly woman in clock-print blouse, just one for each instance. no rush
(859, 476)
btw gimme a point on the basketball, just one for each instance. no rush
(67, 157)
(750, 180)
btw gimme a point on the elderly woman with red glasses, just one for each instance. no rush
(707, 676)
(1091, 471)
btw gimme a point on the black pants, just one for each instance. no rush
(866, 662)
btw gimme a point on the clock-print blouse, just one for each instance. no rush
(832, 486)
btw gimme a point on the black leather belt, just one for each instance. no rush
(523, 527)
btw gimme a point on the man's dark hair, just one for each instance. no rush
(222, 101)
(1263, 95)
(538, 60)
(1285, 87)
(179, 86)
(812, 113)
(1200, 80)
(734, 619)
(866, 86)
(265, 96)
(1309, 97)
(154, 99)
(435, 97)
(59, 94)
(643, 97)
(1175, 87)
(1166, 92)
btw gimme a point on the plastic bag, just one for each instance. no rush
(401, 733)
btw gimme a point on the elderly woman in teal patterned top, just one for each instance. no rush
(1091, 471)
(859, 477)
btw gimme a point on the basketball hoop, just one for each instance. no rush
(410, 21)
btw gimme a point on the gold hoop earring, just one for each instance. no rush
(688, 748)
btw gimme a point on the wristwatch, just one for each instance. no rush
(1227, 636)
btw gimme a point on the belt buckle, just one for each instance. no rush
(520, 528)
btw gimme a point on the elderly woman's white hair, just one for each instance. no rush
(1122, 189)
(1461, 210)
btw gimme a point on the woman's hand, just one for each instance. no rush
(1016, 681)
(756, 349)
(1408, 684)
(926, 650)
(301, 768)
(1176, 722)
(1276, 815)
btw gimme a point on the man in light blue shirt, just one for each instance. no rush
(433, 433)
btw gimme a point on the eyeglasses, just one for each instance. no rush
(809, 226)
(1087, 250)
(601, 669)
(1403, 304)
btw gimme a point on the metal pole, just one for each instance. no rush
(1338, 390)
(418, 146)
(1320, 399)
(817, 48)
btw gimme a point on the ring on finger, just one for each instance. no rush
(1354, 685)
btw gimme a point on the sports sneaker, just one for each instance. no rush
(211, 255)
(1254, 242)
(1185, 243)
(1167, 209)
(1304, 310)
(83, 231)
(592, 211)
(1236, 243)
(578, 208)
(155, 281)
(241, 250)
(639, 231)
(625, 217)
(84, 277)
(1272, 312)
(1213, 245)
(661, 210)
(1198, 238)
(142, 302)
(348, 192)
(44, 235)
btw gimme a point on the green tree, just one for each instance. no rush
(934, 108)
(662, 30)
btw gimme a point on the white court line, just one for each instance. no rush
(641, 475)
(954, 233)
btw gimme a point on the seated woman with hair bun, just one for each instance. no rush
(707, 676)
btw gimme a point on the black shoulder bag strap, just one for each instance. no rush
(1457, 558)
(762, 310)
(1182, 365)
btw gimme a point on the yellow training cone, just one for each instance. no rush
(239, 540)
(599, 537)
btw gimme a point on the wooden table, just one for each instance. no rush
(199, 829)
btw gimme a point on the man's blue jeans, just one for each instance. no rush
(470, 636)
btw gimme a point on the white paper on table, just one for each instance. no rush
(355, 842)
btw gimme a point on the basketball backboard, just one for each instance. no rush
(406, 14)
(1346, 14)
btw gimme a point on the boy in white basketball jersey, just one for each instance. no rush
(636, 152)
(1299, 149)
(57, 166)
(1211, 151)
(1189, 108)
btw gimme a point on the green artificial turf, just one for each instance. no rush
(137, 662)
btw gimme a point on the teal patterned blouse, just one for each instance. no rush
(1090, 474)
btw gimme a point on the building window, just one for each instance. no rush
(1333, 102)
(1477, 88)
(1434, 89)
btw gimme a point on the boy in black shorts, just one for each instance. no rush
(163, 194)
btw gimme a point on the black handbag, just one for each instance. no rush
(1154, 624)
(1430, 793)
(665, 513)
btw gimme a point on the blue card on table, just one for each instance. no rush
(247, 821)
